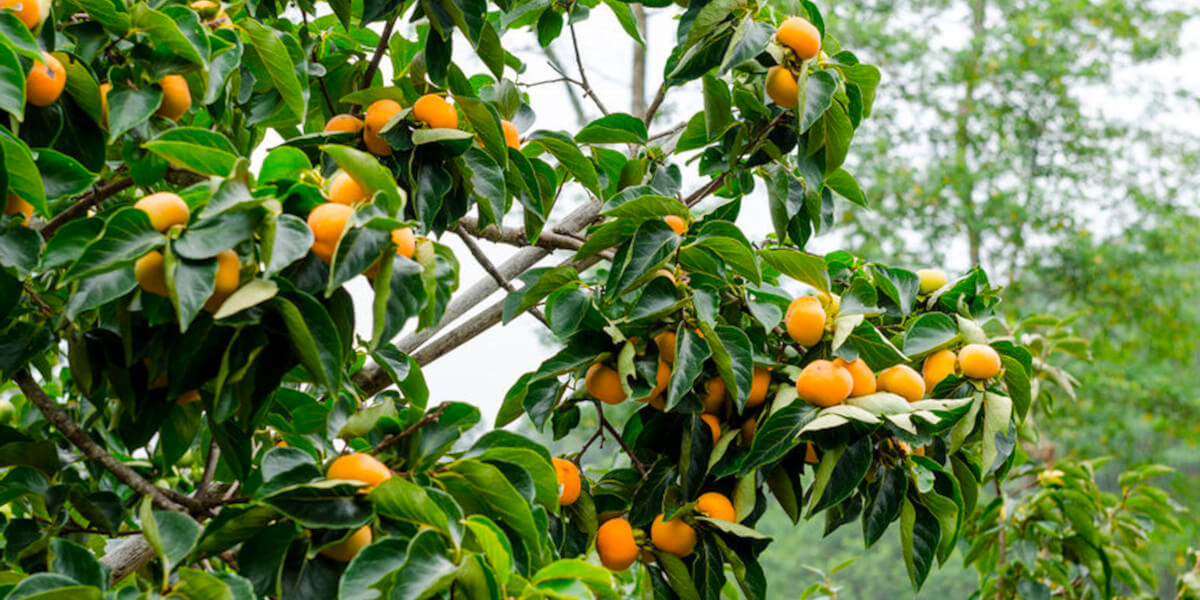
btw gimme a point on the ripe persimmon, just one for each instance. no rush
(14, 205)
(805, 320)
(616, 545)
(604, 384)
(568, 481)
(165, 210)
(343, 189)
(434, 111)
(343, 123)
(864, 377)
(715, 505)
(512, 137)
(379, 113)
(937, 367)
(674, 536)
(46, 81)
(28, 11)
(327, 221)
(714, 425)
(801, 36)
(782, 88)
(714, 394)
(677, 224)
(903, 381)
(666, 346)
(758, 387)
(823, 383)
(978, 361)
(749, 428)
(151, 274)
(405, 240)
(360, 467)
(176, 99)
(228, 273)
(347, 549)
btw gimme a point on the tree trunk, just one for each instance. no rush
(638, 104)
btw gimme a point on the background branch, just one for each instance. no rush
(487, 265)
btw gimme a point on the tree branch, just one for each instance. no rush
(515, 236)
(83, 203)
(487, 265)
(656, 103)
(369, 75)
(61, 421)
(392, 440)
(583, 80)
(613, 430)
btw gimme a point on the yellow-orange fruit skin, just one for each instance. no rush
(661, 378)
(347, 549)
(615, 544)
(14, 205)
(343, 189)
(512, 137)
(377, 116)
(359, 467)
(902, 380)
(931, 280)
(375, 144)
(405, 241)
(749, 428)
(151, 274)
(782, 88)
(714, 425)
(801, 36)
(714, 394)
(327, 222)
(758, 387)
(568, 481)
(822, 383)
(604, 384)
(716, 506)
(46, 80)
(677, 224)
(434, 111)
(978, 361)
(810, 454)
(27, 11)
(674, 536)
(863, 376)
(228, 275)
(666, 346)
(343, 124)
(105, 88)
(176, 100)
(805, 321)
(937, 367)
(164, 209)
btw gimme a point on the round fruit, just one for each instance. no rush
(164, 209)
(343, 189)
(902, 380)
(176, 100)
(714, 394)
(823, 383)
(359, 467)
(810, 454)
(405, 241)
(375, 144)
(150, 274)
(434, 111)
(604, 384)
(15, 205)
(801, 36)
(677, 224)
(782, 88)
(758, 387)
(105, 88)
(749, 428)
(348, 548)
(343, 123)
(666, 346)
(864, 377)
(324, 251)
(228, 273)
(661, 378)
(937, 367)
(714, 425)
(28, 11)
(716, 506)
(568, 481)
(46, 81)
(512, 137)
(931, 280)
(674, 536)
(378, 115)
(978, 361)
(805, 321)
(615, 544)
(327, 221)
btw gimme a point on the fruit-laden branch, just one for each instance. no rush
(429, 419)
(59, 418)
(487, 265)
(373, 66)
(83, 204)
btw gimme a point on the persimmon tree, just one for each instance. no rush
(193, 415)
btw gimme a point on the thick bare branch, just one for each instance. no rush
(487, 265)
(515, 236)
(61, 421)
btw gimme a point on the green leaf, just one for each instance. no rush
(479, 486)
(129, 108)
(736, 253)
(17, 35)
(1018, 385)
(645, 208)
(997, 412)
(194, 584)
(283, 163)
(404, 500)
(851, 468)
(690, 353)
(539, 283)
(652, 245)
(616, 128)
(818, 97)
(777, 435)
(485, 121)
(207, 238)
(107, 13)
(77, 562)
(677, 576)
(165, 31)
(101, 289)
(190, 284)
(171, 534)
(62, 175)
(798, 265)
(563, 148)
(928, 333)
(24, 180)
(872, 347)
(718, 115)
(287, 240)
(919, 535)
(625, 17)
(128, 235)
(12, 83)
(198, 150)
(372, 564)
(52, 586)
(268, 44)
(323, 504)
(426, 571)
(494, 543)
(374, 178)
(313, 337)
(884, 504)
(899, 285)
(842, 182)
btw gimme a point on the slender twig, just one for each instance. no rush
(613, 430)
(663, 134)
(487, 265)
(83, 203)
(392, 440)
(583, 80)
(567, 81)
(369, 75)
(599, 434)
(659, 96)
(316, 59)
(59, 418)
(214, 456)
(547, 81)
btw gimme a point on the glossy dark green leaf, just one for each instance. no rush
(127, 236)
(538, 283)
(323, 504)
(652, 244)
(919, 536)
(849, 471)
(798, 265)
(268, 44)
(313, 337)
(616, 128)
(171, 534)
(928, 333)
(563, 147)
(884, 505)
(404, 500)
(372, 564)
(12, 83)
(198, 150)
